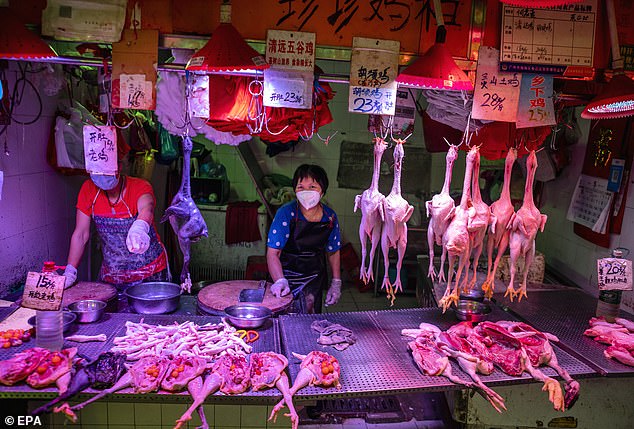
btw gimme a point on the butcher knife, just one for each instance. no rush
(253, 295)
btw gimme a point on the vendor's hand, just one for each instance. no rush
(138, 239)
(71, 275)
(334, 292)
(280, 288)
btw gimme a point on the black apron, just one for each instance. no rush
(304, 263)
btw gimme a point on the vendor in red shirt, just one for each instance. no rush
(122, 208)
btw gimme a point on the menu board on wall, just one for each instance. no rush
(549, 40)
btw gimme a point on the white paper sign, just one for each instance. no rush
(294, 50)
(199, 96)
(373, 71)
(135, 92)
(590, 204)
(288, 88)
(496, 93)
(614, 274)
(43, 291)
(100, 149)
(536, 108)
(404, 116)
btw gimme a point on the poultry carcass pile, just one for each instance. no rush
(185, 217)
(371, 204)
(619, 336)
(440, 211)
(396, 213)
(39, 367)
(512, 347)
(524, 226)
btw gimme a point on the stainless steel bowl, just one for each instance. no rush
(472, 295)
(248, 316)
(472, 311)
(154, 297)
(68, 319)
(88, 310)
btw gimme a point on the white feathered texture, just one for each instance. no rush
(170, 111)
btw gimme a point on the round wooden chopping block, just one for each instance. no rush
(218, 296)
(89, 290)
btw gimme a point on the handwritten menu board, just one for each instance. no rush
(373, 71)
(535, 107)
(548, 40)
(590, 204)
(614, 274)
(100, 149)
(496, 93)
(43, 291)
(289, 81)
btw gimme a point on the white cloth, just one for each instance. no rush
(334, 292)
(138, 240)
(71, 275)
(280, 288)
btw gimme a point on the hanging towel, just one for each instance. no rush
(241, 222)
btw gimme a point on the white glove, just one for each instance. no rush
(71, 275)
(334, 292)
(280, 288)
(138, 239)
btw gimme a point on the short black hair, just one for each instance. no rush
(313, 171)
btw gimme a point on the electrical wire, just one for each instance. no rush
(16, 96)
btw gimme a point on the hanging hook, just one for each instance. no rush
(187, 123)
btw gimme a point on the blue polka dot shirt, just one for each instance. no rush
(281, 227)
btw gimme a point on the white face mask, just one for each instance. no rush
(308, 199)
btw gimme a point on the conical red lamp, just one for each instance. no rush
(539, 3)
(436, 69)
(226, 51)
(17, 42)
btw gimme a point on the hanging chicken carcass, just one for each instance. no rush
(524, 226)
(185, 217)
(371, 202)
(396, 213)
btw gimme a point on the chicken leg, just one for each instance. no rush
(199, 391)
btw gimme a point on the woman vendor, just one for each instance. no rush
(122, 208)
(302, 236)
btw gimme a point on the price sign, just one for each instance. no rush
(536, 107)
(289, 81)
(403, 119)
(199, 96)
(373, 71)
(614, 274)
(43, 291)
(135, 92)
(496, 93)
(100, 149)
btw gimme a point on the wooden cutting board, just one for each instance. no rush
(89, 290)
(218, 296)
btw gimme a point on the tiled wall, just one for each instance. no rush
(37, 208)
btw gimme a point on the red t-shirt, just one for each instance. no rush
(134, 188)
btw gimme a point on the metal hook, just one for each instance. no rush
(327, 139)
(187, 123)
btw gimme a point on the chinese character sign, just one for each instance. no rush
(496, 93)
(100, 149)
(536, 106)
(292, 50)
(43, 291)
(614, 274)
(135, 92)
(373, 71)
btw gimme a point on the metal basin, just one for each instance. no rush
(247, 316)
(154, 297)
(472, 311)
(68, 319)
(88, 310)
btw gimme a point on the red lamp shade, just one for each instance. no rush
(226, 50)
(539, 3)
(615, 101)
(17, 42)
(436, 69)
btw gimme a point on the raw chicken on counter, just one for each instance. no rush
(53, 368)
(396, 213)
(21, 365)
(455, 240)
(524, 226)
(440, 211)
(199, 390)
(619, 336)
(371, 204)
(502, 211)
(185, 217)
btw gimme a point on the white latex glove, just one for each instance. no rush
(334, 292)
(280, 288)
(71, 275)
(138, 239)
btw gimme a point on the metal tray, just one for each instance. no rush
(566, 314)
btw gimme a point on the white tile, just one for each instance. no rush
(11, 214)
(33, 201)
(32, 141)
(56, 205)
(35, 248)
